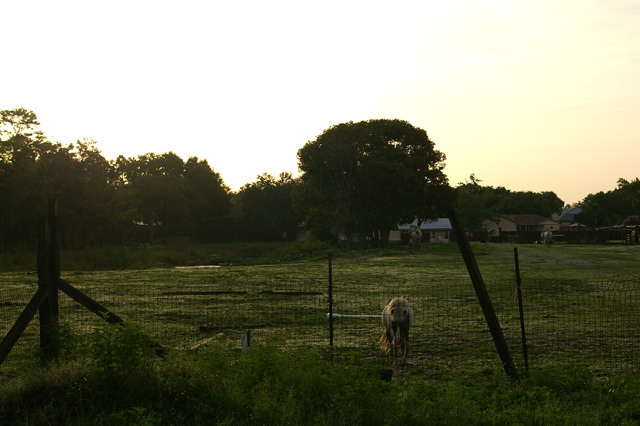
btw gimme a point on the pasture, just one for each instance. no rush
(581, 306)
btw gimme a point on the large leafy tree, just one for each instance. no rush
(366, 177)
(19, 122)
(544, 203)
(267, 211)
(33, 170)
(173, 197)
(611, 207)
(209, 200)
(79, 178)
(99, 201)
(476, 203)
(21, 146)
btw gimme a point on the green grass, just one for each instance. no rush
(581, 319)
(271, 386)
(179, 252)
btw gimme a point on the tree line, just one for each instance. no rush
(357, 181)
(620, 206)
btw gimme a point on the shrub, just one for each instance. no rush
(121, 348)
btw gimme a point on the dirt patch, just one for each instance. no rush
(569, 262)
(198, 267)
(354, 257)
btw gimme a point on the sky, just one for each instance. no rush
(530, 95)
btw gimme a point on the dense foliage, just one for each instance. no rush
(476, 202)
(366, 177)
(615, 207)
(172, 196)
(620, 206)
(99, 201)
(267, 209)
(357, 179)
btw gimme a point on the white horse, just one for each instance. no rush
(547, 237)
(416, 237)
(397, 319)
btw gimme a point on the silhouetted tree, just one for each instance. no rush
(477, 203)
(267, 211)
(366, 177)
(611, 207)
(172, 197)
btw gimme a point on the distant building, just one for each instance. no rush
(567, 218)
(433, 231)
(520, 223)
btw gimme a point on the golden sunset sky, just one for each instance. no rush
(529, 95)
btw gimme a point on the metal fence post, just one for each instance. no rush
(521, 310)
(330, 302)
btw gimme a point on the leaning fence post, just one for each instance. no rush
(521, 309)
(483, 295)
(330, 303)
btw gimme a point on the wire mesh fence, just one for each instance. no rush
(567, 323)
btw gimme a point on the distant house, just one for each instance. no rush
(520, 223)
(567, 218)
(433, 231)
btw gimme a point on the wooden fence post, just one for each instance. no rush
(48, 274)
(483, 295)
(45, 301)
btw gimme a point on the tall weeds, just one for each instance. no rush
(118, 381)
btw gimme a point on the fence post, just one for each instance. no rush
(330, 302)
(483, 295)
(246, 340)
(521, 309)
(48, 274)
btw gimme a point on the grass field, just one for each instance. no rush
(581, 305)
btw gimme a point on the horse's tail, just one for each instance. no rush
(384, 342)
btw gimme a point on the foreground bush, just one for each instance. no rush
(109, 385)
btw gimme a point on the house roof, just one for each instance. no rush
(526, 219)
(569, 216)
(442, 223)
(523, 219)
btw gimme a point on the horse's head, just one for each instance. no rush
(399, 316)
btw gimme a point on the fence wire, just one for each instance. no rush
(568, 323)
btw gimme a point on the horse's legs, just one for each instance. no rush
(405, 348)
(392, 346)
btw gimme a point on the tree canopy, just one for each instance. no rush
(100, 201)
(366, 177)
(476, 202)
(357, 179)
(612, 207)
(171, 196)
(267, 208)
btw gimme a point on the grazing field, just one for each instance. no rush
(581, 317)
(581, 305)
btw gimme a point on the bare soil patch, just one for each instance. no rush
(570, 262)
